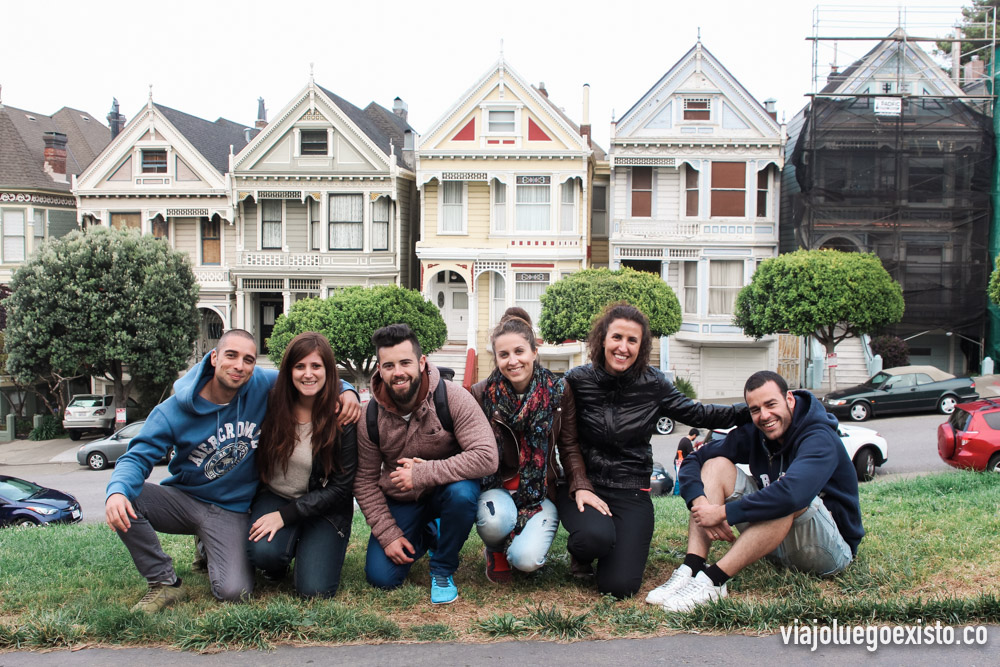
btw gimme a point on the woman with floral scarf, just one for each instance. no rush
(532, 414)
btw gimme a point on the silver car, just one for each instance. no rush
(99, 454)
(93, 412)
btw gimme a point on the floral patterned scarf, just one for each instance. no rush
(531, 421)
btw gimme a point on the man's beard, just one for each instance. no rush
(404, 399)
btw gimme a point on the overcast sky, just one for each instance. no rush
(214, 58)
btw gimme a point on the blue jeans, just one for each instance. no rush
(316, 545)
(496, 518)
(454, 504)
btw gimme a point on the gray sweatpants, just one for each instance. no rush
(223, 533)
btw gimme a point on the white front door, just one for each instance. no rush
(452, 298)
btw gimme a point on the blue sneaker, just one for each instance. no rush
(443, 589)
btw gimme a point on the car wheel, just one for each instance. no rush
(25, 522)
(73, 435)
(860, 412)
(864, 464)
(171, 454)
(97, 461)
(665, 426)
(947, 405)
(994, 464)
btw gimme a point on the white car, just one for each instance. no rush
(866, 447)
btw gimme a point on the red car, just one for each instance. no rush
(971, 436)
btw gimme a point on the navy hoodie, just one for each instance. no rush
(811, 462)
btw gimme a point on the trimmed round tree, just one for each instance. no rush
(570, 305)
(349, 317)
(104, 303)
(828, 294)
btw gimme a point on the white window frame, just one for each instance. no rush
(281, 224)
(710, 109)
(545, 184)
(152, 149)
(465, 209)
(532, 278)
(498, 304)
(314, 214)
(498, 210)
(331, 222)
(202, 221)
(387, 222)
(687, 291)
(735, 289)
(601, 201)
(316, 130)
(514, 108)
(567, 209)
(9, 258)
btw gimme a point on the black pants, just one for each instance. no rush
(619, 543)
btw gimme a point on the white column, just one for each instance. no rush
(241, 310)
(286, 298)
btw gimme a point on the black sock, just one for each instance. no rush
(695, 562)
(177, 583)
(716, 574)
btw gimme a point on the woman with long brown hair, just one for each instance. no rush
(306, 462)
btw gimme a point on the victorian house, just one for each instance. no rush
(695, 166)
(892, 157)
(505, 184)
(165, 173)
(325, 198)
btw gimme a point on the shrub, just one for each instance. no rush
(684, 386)
(49, 429)
(894, 350)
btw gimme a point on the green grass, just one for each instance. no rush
(930, 554)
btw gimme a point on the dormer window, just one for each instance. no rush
(697, 108)
(501, 122)
(154, 161)
(313, 142)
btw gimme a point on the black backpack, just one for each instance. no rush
(440, 406)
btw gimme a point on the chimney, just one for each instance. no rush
(400, 108)
(541, 88)
(585, 124)
(408, 140)
(261, 121)
(974, 69)
(956, 58)
(116, 121)
(769, 107)
(55, 155)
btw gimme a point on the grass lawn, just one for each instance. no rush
(930, 553)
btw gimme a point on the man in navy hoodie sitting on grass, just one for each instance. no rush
(213, 423)
(798, 507)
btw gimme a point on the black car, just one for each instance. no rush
(24, 503)
(902, 389)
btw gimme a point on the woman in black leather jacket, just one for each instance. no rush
(306, 463)
(619, 398)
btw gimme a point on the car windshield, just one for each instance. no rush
(87, 402)
(18, 489)
(878, 379)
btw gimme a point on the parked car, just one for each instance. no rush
(866, 448)
(24, 503)
(99, 454)
(93, 412)
(971, 436)
(902, 389)
(665, 426)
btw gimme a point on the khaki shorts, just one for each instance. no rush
(814, 544)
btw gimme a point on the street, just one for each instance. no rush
(912, 450)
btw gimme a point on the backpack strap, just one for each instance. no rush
(371, 417)
(441, 406)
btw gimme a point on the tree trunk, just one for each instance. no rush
(830, 347)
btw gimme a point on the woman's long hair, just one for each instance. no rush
(620, 310)
(277, 433)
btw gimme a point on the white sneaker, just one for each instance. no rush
(677, 581)
(698, 591)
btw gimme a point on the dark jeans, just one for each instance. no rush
(316, 545)
(223, 534)
(455, 504)
(620, 543)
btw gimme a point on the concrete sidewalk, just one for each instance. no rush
(33, 452)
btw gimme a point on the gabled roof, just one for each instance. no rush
(212, 139)
(599, 153)
(378, 123)
(729, 85)
(857, 72)
(22, 149)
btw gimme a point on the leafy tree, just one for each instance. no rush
(893, 350)
(570, 305)
(102, 303)
(976, 25)
(349, 317)
(826, 293)
(993, 290)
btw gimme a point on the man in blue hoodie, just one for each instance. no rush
(213, 423)
(798, 507)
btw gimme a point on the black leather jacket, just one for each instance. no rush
(331, 497)
(616, 416)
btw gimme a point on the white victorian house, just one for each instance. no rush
(695, 178)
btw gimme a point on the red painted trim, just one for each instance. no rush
(508, 141)
(471, 370)
(547, 266)
(536, 133)
(467, 133)
(493, 141)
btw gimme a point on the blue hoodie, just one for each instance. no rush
(811, 462)
(215, 443)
